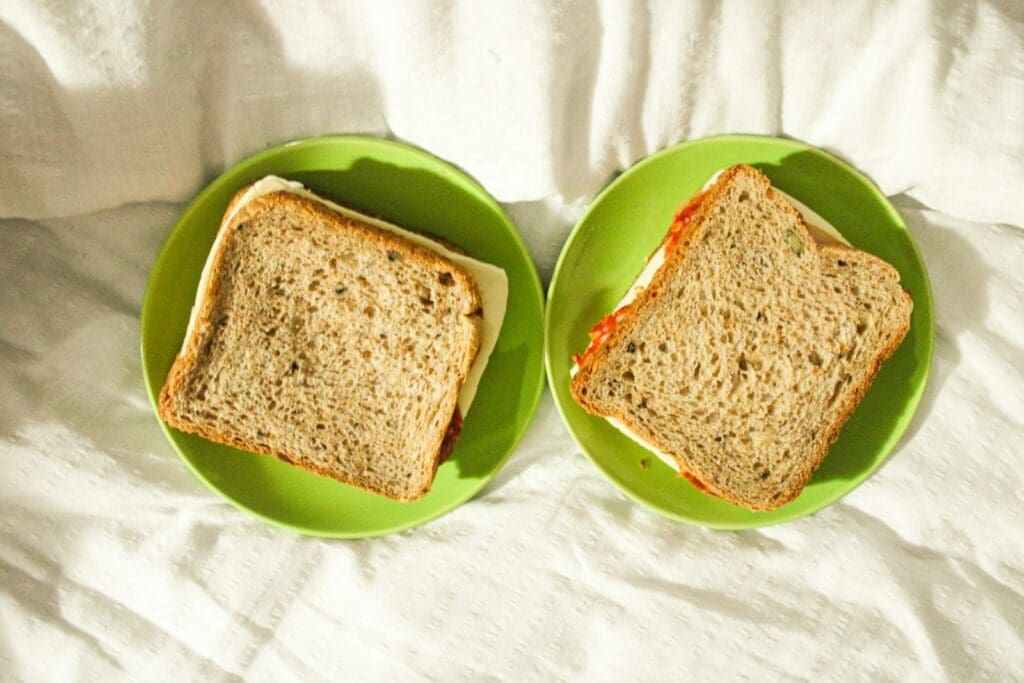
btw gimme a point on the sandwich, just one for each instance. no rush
(337, 342)
(746, 342)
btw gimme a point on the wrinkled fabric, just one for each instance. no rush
(115, 562)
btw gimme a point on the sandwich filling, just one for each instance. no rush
(491, 281)
(821, 230)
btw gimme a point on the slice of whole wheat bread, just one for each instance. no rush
(750, 348)
(331, 344)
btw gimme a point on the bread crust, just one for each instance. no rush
(646, 299)
(191, 351)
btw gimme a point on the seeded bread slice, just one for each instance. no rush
(750, 348)
(328, 343)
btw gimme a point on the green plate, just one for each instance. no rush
(415, 190)
(608, 249)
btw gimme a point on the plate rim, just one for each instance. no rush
(534, 291)
(574, 234)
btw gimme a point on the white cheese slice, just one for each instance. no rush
(491, 280)
(658, 259)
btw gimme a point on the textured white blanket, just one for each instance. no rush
(116, 562)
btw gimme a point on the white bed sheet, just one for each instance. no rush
(116, 563)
